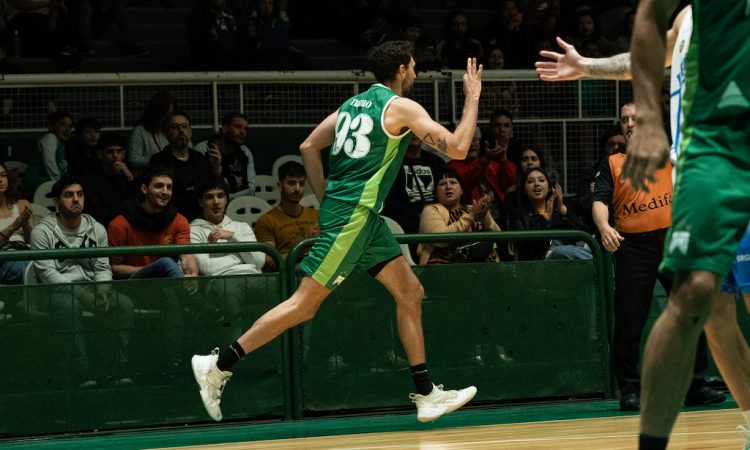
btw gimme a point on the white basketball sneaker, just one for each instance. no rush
(211, 381)
(439, 402)
(746, 434)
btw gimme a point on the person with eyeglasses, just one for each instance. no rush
(190, 167)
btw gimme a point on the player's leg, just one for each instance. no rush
(407, 292)
(669, 355)
(728, 345)
(729, 348)
(431, 401)
(300, 307)
(699, 250)
(212, 371)
(343, 236)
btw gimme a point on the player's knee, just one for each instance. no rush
(302, 311)
(696, 293)
(418, 293)
(411, 296)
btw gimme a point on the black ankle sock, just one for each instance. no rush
(646, 442)
(421, 378)
(230, 356)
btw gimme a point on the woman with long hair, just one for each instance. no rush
(542, 208)
(16, 222)
(147, 138)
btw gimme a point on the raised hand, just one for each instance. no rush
(563, 66)
(473, 79)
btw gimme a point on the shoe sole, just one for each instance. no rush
(203, 394)
(451, 409)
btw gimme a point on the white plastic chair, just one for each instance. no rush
(396, 229)
(310, 201)
(265, 188)
(39, 195)
(247, 209)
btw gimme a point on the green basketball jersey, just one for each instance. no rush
(365, 158)
(718, 62)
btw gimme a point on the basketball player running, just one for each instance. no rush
(726, 341)
(711, 206)
(368, 136)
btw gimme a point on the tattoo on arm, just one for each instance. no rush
(428, 140)
(613, 68)
(442, 145)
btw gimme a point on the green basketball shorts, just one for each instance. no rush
(711, 205)
(351, 237)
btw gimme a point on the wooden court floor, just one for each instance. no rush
(711, 429)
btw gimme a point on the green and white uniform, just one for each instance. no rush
(711, 205)
(364, 162)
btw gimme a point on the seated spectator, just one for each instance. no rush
(96, 16)
(48, 161)
(212, 227)
(498, 172)
(505, 31)
(51, 146)
(457, 44)
(109, 181)
(585, 29)
(190, 167)
(410, 29)
(268, 40)
(70, 228)
(288, 223)
(147, 138)
(16, 223)
(500, 132)
(80, 154)
(43, 27)
(498, 92)
(542, 208)
(214, 37)
(530, 158)
(237, 164)
(414, 186)
(622, 41)
(448, 215)
(153, 220)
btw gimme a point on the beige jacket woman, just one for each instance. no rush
(435, 219)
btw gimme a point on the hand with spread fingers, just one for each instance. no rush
(561, 66)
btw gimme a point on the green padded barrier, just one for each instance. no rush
(517, 330)
(40, 392)
(488, 324)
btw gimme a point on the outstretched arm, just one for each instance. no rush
(648, 149)
(570, 65)
(405, 113)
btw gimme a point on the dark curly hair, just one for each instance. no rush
(385, 59)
